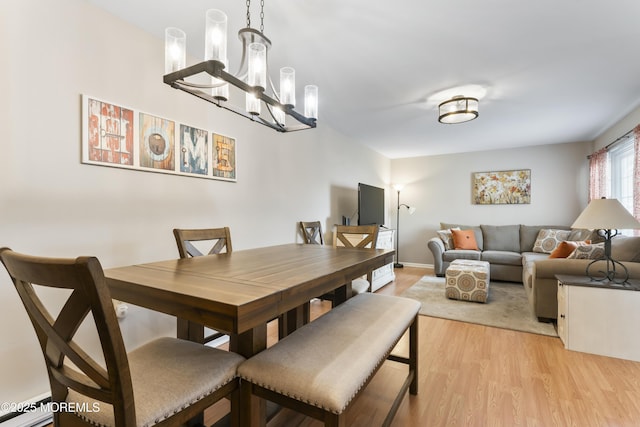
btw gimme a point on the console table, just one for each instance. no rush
(598, 318)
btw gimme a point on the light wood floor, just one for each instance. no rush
(473, 375)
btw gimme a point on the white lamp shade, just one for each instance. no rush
(287, 86)
(175, 49)
(257, 66)
(215, 43)
(606, 214)
(311, 101)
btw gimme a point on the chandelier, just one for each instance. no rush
(211, 78)
(458, 109)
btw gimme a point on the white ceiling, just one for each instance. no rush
(553, 71)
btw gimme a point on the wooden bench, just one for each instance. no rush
(322, 367)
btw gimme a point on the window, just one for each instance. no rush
(614, 172)
(621, 159)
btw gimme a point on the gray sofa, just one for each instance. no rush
(509, 251)
(503, 246)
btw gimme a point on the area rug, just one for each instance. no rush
(507, 306)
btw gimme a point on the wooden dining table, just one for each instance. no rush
(241, 291)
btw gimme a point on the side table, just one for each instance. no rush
(594, 317)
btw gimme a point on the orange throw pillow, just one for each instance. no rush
(464, 239)
(565, 248)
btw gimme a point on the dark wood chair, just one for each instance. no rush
(165, 382)
(220, 241)
(312, 232)
(355, 236)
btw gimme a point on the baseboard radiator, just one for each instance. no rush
(31, 413)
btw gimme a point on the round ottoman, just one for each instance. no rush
(467, 280)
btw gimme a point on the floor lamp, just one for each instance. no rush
(398, 188)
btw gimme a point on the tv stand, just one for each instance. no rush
(384, 274)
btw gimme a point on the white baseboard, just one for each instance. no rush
(415, 264)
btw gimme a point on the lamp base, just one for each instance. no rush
(610, 275)
(398, 265)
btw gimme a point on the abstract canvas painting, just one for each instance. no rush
(502, 187)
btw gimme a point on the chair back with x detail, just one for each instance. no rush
(220, 238)
(312, 232)
(356, 236)
(128, 389)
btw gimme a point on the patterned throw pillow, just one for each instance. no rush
(447, 237)
(595, 251)
(549, 239)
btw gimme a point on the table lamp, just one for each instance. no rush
(607, 216)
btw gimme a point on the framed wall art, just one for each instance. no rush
(118, 136)
(502, 187)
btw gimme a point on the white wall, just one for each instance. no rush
(624, 125)
(52, 205)
(440, 188)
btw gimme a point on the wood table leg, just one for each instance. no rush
(342, 294)
(190, 331)
(294, 319)
(247, 344)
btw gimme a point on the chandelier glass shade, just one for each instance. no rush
(458, 109)
(210, 80)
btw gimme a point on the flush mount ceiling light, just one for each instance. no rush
(458, 109)
(251, 79)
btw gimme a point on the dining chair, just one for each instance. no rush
(312, 232)
(219, 239)
(355, 236)
(165, 382)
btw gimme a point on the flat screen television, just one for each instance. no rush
(370, 205)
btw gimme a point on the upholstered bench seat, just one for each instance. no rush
(326, 363)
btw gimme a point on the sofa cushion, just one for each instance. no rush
(501, 237)
(533, 256)
(549, 239)
(625, 248)
(502, 257)
(529, 234)
(455, 254)
(464, 239)
(476, 229)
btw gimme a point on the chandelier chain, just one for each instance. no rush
(262, 16)
(248, 13)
